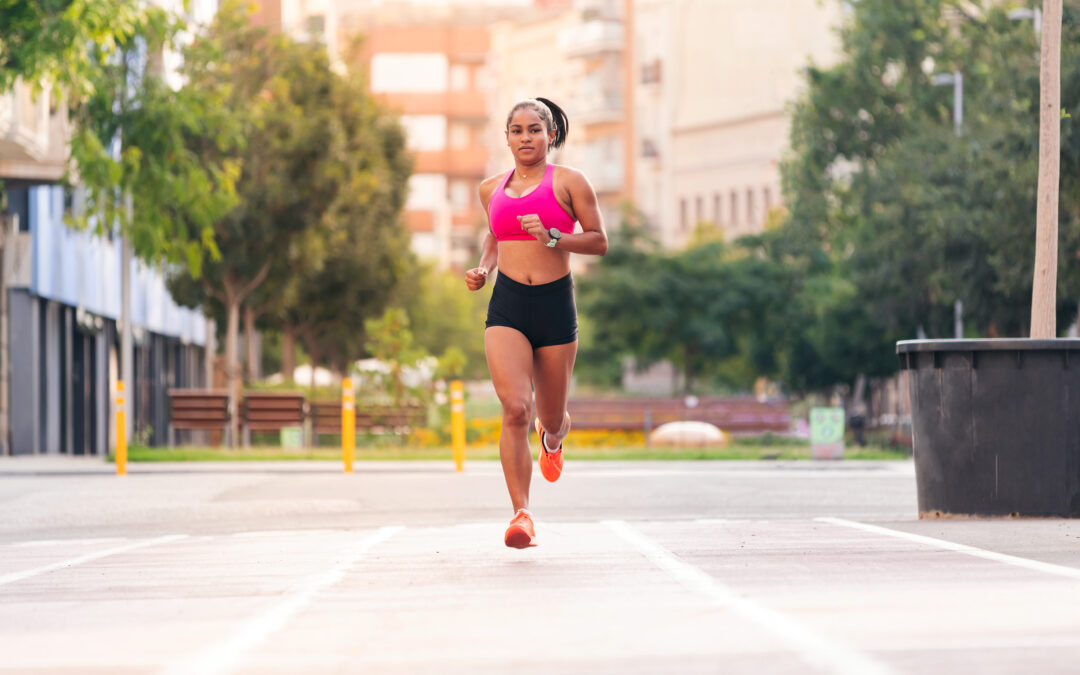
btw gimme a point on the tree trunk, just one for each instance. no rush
(211, 352)
(288, 352)
(1044, 290)
(249, 336)
(232, 363)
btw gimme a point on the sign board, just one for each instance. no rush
(292, 437)
(827, 433)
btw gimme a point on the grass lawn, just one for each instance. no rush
(748, 448)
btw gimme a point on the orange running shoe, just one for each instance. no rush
(550, 462)
(520, 534)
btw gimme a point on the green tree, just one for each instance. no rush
(696, 307)
(390, 341)
(178, 186)
(892, 217)
(63, 42)
(443, 315)
(322, 180)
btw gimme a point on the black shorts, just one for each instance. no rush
(545, 314)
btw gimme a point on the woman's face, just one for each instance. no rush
(527, 136)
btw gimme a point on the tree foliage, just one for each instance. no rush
(62, 42)
(892, 216)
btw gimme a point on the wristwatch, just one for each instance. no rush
(555, 235)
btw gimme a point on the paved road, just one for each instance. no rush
(680, 567)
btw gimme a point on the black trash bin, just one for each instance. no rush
(995, 426)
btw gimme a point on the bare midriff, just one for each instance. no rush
(530, 262)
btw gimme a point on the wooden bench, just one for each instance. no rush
(326, 418)
(739, 415)
(272, 411)
(197, 409)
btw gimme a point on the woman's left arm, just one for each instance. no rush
(592, 240)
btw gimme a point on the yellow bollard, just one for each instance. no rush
(121, 431)
(457, 422)
(348, 424)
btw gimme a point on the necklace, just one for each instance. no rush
(524, 177)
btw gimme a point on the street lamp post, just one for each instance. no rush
(956, 79)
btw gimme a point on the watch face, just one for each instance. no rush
(555, 233)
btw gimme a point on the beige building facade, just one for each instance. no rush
(574, 53)
(712, 81)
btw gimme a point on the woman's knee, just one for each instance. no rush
(517, 412)
(552, 421)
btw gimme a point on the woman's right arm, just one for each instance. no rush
(489, 258)
(489, 250)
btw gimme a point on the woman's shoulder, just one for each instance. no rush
(568, 175)
(488, 185)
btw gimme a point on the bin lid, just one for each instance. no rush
(988, 345)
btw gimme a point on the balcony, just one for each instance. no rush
(454, 104)
(592, 38)
(606, 177)
(33, 141)
(598, 107)
(24, 125)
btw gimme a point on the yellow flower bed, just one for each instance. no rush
(486, 431)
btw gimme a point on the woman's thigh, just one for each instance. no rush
(552, 369)
(510, 361)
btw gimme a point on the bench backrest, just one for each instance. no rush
(270, 411)
(198, 408)
(636, 414)
(326, 417)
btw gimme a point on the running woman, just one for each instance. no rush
(531, 335)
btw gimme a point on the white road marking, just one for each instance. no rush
(1049, 568)
(226, 655)
(815, 649)
(61, 542)
(18, 576)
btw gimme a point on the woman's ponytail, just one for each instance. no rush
(559, 122)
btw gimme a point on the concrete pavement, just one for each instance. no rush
(681, 567)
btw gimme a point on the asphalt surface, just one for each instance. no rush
(640, 567)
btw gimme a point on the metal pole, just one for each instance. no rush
(958, 102)
(121, 430)
(348, 424)
(457, 422)
(8, 226)
(127, 365)
(958, 319)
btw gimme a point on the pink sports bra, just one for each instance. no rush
(503, 209)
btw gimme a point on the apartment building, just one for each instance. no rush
(302, 20)
(574, 53)
(526, 61)
(712, 79)
(60, 303)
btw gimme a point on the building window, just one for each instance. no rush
(19, 204)
(461, 194)
(427, 191)
(699, 209)
(684, 217)
(414, 73)
(459, 135)
(767, 196)
(425, 132)
(716, 208)
(751, 211)
(733, 204)
(650, 72)
(459, 77)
